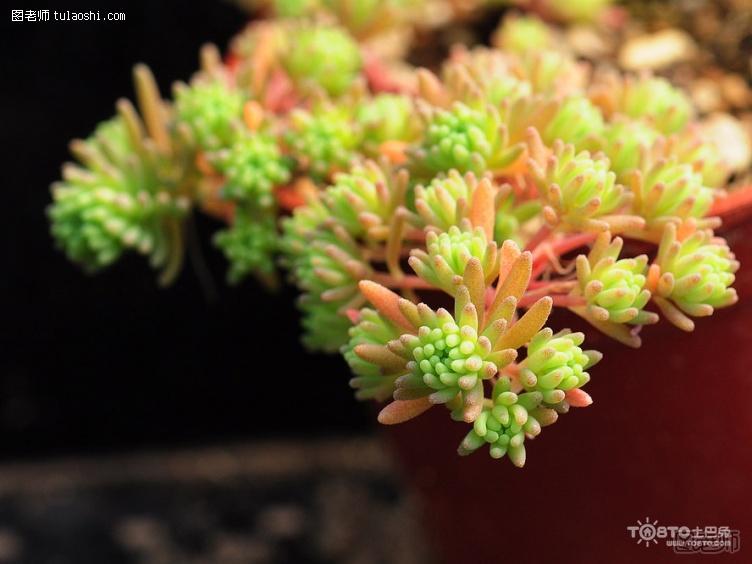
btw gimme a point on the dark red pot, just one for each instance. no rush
(668, 438)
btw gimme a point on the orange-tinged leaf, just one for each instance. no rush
(476, 285)
(674, 314)
(380, 355)
(527, 326)
(400, 411)
(410, 311)
(508, 254)
(518, 277)
(654, 275)
(151, 106)
(386, 302)
(482, 209)
(430, 88)
(578, 398)
(513, 285)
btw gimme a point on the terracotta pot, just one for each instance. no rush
(668, 438)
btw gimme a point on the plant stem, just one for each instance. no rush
(538, 239)
(544, 251)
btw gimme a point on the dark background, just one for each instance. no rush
(111, 361)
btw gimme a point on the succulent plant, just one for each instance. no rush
(578, 189)
(387, 118)
(363, 18)
(447, 254)
(669, 191)
(688, 147)
(476, 77)
(211, 110)
(614, 288)
(434, 357)
(371, 381)
(505, 424)
(322, 56)
(129, 193)
(321, 241)
(354, 169)
(694, 274)
(523, 34)
(555, 364)
(446, 200)
(465, 139)
(324, 140)
(654, 99)
(325, 328)
(576, 121)
(625, 142)
(364, 199)
(551, 375)
(551, 72)
(331, 273)
(252, 166)
(249, 245)
(446, 357)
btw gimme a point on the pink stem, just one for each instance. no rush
(543, 233)
(558, 248)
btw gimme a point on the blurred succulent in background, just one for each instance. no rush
(321, 57)
(653, 99)
(210, 110)
(669, 191)
(252, 166)
(131, 191)
(250, 245)
(324, 140)
(464, 139)
(521, 34)
(431, 220)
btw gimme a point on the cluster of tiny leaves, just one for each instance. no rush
(499, 152)
(115, 200)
